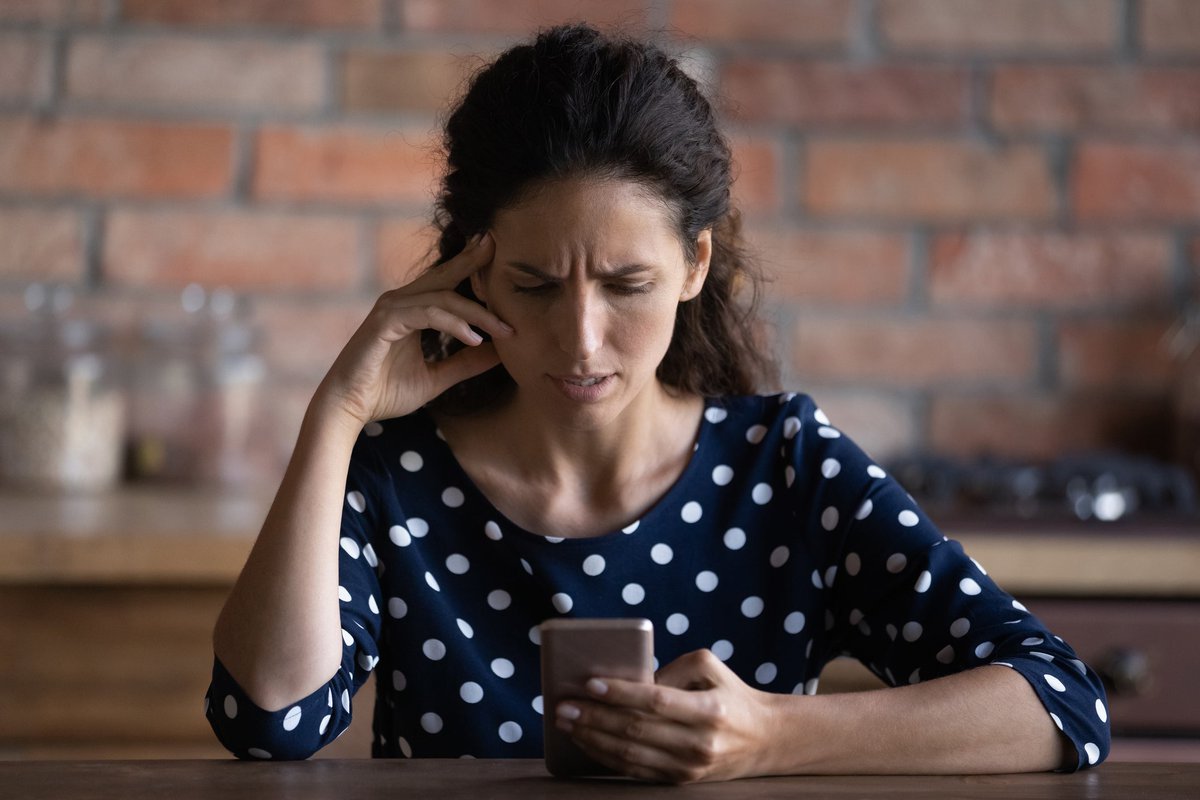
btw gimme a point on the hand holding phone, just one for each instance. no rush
(574, 650)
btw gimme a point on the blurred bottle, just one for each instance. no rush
(62, 409)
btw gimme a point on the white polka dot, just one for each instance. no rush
(399, 682)
(631, 528)
(405, 747)
(978, 566)
(864, 510)
(789, 475)
(779, 556)
(661, 554)
(829, 518)
(722, 649)
(433, 649)
(1057, 721)
(324, 724)
(1017, 605)
(471, 692)
(752, 607)
(946, 654)
(1043, 656)
(706, 581)
(761, 494)
(891, 631)
(369, 555)
(765, 673)
(791, 426)
(816, 579)
(411, 460)
(735, 538)
(633, 594)
(453, 497)
(499, 599)
(810, 687)
(431, 723)
(876, 472)
(830, 574)
(829, 433)
(347, 638)
(1093, 752)
(562, 602)
(535, 635)
(924, 581)
(458, 564)
(343, 595)
(830, 467)
(350, 546)
(418, 527)
(355, 500)
(1079, 665)
(1055, 683)
(537, 705)
(230, 706)
(677, 624)
(908, 518)
(258, 752)
(346, 700)
(755, 433)
(794, 622)
(820, 417)
(969, 586)
(593, 565)
(984, 650)
(959, 627)
(715, 415)
(510, 732)
(432, 581)
(1032, 641)
(722, 475)
(372, 429)
(897, 562)
(911, 631)
(525, 566)
(465, 628)
(397, 608)
(503, 667)
(554, 539)
(492, 531)
(691, 512)
(853, 564)
(399, 536)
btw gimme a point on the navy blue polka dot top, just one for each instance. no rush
(781, 546)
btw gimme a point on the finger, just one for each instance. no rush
(401, 323)
(463, 365)
(699, 669)
(476, 314)
(625, 725)
(673, 703)
(634, 759)
(474, 257)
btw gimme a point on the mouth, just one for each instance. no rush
(584, 388)
(588, 380)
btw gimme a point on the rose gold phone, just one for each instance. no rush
(574, 650)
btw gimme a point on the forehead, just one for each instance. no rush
(589, 217)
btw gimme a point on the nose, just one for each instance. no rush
(580, 325)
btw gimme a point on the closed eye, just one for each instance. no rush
(631, 288)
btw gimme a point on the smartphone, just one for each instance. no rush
(574, 650)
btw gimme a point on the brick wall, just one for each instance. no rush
(981, 215)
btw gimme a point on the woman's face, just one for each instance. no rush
(589, 273)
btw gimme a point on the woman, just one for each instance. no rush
(600, 451)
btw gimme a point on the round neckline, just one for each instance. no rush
(700, 441)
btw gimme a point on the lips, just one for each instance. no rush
(584, 388)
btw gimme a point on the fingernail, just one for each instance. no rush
(475, 338)
(597, 686)
(504, 326)
(568, 711)
(564, 726)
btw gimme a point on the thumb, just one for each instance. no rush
(694, 671)
(466, 363)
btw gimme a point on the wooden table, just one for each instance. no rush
(528, 780)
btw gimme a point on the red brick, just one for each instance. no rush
(111, 157)
(421, 80)
(912, 352)
(159, 72)
(303, 337)
(24, 61)
(1169, 26)
(345, 164)
(1116, 354)
(812, 23)
(1025, 26)
(841, 267)
(1050, 270)
(403, 248)
(927, 179)
(520, 17)
(71, 11)
(1077, 98)
(827, 93)
(41, 245)
(882, 425)
(1137, 181)
(272, 13)
(756, 169)
(1046, 426)
(249, 250)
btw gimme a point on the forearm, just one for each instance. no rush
(983, 720)
(278, 634)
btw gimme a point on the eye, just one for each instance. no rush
(541, 288)
(631, 288)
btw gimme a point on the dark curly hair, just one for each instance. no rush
(577, 103)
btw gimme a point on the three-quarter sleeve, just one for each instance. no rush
(911, 605)
(299, 729)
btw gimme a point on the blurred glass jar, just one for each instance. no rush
(62, 410)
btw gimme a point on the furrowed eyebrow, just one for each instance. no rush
(619, 272)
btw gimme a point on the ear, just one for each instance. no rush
(694, 281)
